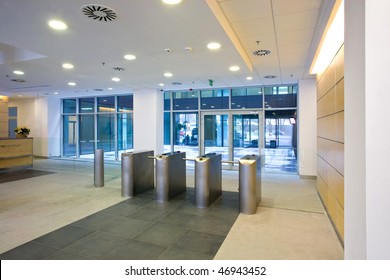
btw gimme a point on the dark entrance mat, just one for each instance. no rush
(14, 175)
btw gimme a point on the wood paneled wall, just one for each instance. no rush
(3, 116)
(330, 140)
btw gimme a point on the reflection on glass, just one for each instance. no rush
(86, 134)
(106, 132)
(186, 133)
(125, 103)
(87, 105)
(185, 100)
(214, 99)
(106, 104)
(245, 135)
(69, 136)
(125, 132)
(216, 135)
(243, 98)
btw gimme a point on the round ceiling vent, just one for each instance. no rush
(18, 80)
(270, 77)
(99, 12)
(261, 52)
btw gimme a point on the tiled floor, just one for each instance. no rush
(139, 228)
(61, 215)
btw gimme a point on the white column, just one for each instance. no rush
(149, 120)
(307, 128)
(367, 191)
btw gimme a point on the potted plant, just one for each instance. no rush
(22, 131)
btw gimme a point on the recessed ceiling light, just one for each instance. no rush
(18, 72)
(130, 57)
(168, 75)
(110, 88)
(214, 46)
(55, 93)
(71, 84)
(116, 79)
(67, 66)
(234, 68)
(171, 2)
(161, 85)
(57, 25)
(249, 78)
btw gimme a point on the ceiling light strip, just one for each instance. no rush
(218, 13)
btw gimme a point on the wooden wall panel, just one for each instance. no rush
(330, 140)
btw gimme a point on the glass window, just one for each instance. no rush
(87, 105)
(125, 103)
(12, 111)
(243, 98)
(270, 90)
(69, 135)
(69, 106)
(214, 99)
(185, 100)
(86, 134)
(167, 100)
(106, 132)
(125, 131)
(106, 104)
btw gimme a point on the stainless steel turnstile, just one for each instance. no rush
(249, 183)
(137, 173)
(170, 175)
(98, 168)
(208, 179)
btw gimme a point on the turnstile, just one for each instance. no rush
(137, 173)
(170, 175)
(249, 183)
(208, 179)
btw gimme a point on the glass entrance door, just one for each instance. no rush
(246, 133)
(233, 135)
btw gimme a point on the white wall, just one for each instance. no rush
(307, 128)
(149, 120)
(367, 191)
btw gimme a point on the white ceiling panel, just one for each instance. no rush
(296, 21)
(283, 7)
(243, 10)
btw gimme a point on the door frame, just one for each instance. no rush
(230, 114)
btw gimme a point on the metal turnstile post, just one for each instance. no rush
(137, 173)
(249, 183)
(208, 179)
(99, 168)
(170, 175)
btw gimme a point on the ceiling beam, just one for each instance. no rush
(223, 21)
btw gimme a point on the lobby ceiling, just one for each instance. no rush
(164, 38)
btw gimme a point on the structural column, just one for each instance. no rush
(367, 192)
(149, 120)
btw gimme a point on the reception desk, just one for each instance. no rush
(16, 152)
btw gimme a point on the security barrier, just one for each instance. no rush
(249, 183)
(208, 179)
(137, 173)
(170, 175)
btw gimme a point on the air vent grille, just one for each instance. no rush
(99, 12)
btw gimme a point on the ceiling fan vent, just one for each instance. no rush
(99, 12)
(261, 52)
(18, 80)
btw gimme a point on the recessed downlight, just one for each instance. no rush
(168, 74)
(18, 72)
(72, 84)
(57, 24)
(234, 68)
(171, 2)
(249, 78)
(161, 85)
(110, 88)
(213, 46)
(55, 92)
(67, 66)
(115, 79)
(130, 57)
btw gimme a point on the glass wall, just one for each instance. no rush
(90, 123)
(234, 121)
